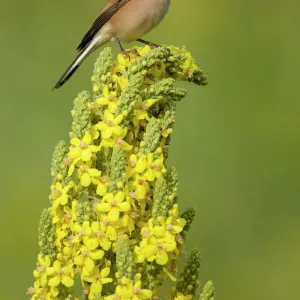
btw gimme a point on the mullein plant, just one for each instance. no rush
(113, 224)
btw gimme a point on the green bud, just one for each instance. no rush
(129, 97)
(117, 170)
(208, 292)
(85, 211)
(124, 258)
(162, 201)
(147, 61)
(103, 63)
(151, 136)
(81, 115)
(165, 89)
(186, 283)
(58, 167)
(183, 67)
(188, 215)
(152, 276)
(46, 233)
(171, 177)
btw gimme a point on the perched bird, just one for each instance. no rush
(119, 20)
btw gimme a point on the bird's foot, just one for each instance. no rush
(152, 45)
(134, 51)
(126, 53)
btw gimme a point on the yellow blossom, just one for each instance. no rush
(110, 125)
(140, 187)
(60, 194)
(109, 99)
(108, 227)
(141, 110)
(171, 226)
(113, 205)
(123, 61)
(166, 132)
(117, 140)
(155, 167)
(154, 248)
(59, 273)
(128, 220)
(180, 296)
(102, 186)
(129, 290)
(123, 82)
(88, 175)
(86, 258)
(40, 291)
(97, 278)
(65, 216)
(147, 165)
(93, 236)
(44, 262)
(81, 149)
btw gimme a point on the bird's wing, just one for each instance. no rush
(106, 13)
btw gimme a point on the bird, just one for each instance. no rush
(120, 21)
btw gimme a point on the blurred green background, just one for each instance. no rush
(236, 143)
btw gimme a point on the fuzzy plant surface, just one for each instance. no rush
(113, 227)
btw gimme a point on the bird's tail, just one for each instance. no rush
(74, 65)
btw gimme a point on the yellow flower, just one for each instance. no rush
(97, 279)
(171, 226)
(81, 150)
(117, 140)
(147, 165)
(131, 165)
(59, 273)
(128, 290)
(128, 220)
(143, 50)
(86, 258)
(108, 227)
(165, 133)
(122, 82)
(88, 175)
(180, 296)
(123, 61)
(110, 127)
(93, 236)
(42, 292)
(140, 187)
(141, 111)
(44, 262)
(147, 230)
(102, 186)
(158, 240)
(157, 249)
(113, 205)
(65, 215)
(59, 194)
(109, 99)
(155, 166)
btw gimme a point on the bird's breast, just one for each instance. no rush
(138, 17)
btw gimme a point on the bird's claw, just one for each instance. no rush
(134, 51)
(126, 53)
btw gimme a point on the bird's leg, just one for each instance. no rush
(121, 47)
(152, 45)
(134, 51)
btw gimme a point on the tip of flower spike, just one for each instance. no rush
(208, 292)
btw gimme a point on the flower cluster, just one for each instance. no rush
(114, 224)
